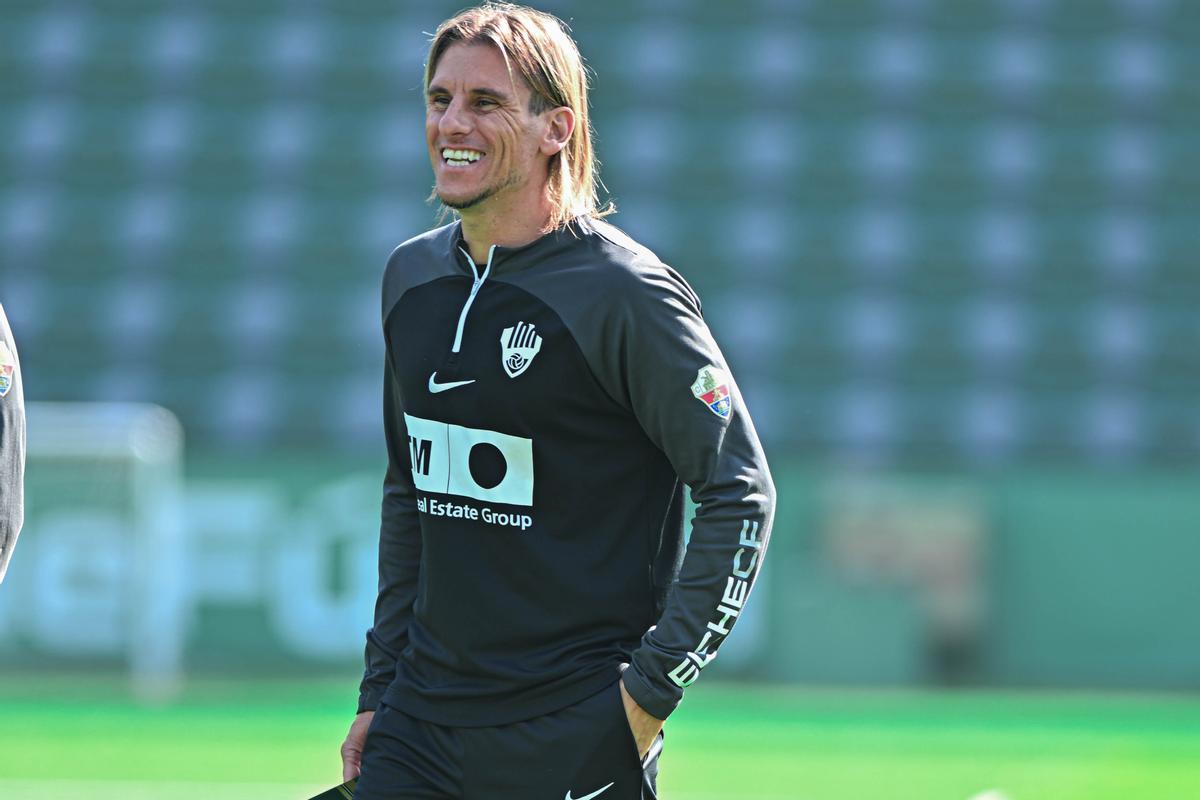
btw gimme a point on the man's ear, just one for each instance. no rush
(560, 124)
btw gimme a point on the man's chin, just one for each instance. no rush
(463, 202)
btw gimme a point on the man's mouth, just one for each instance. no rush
(460, 158)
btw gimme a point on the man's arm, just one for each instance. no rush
(12, 446)
(399, 563)
(679, 387)
(399, 554)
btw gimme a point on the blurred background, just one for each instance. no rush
(949, 251)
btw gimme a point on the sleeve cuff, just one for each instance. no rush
(653, 702)
(369, 698)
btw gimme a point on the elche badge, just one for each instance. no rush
(712, 389)
(518, 347)
(8, 366)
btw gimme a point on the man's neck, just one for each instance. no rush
(507, 227)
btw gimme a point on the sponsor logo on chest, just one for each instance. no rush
(471, 464)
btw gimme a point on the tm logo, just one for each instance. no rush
(421, 450)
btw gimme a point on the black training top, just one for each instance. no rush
(12, 445)
(541, 412)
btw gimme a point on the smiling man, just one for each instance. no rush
(550, 387)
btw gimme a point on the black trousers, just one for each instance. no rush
(583, 752)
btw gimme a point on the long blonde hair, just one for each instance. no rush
(540, 49)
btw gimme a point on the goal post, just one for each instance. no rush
(103, 572)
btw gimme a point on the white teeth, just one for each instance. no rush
(459, 157)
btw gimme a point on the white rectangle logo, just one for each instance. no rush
(470, 462)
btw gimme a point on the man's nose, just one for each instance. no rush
(454, 119)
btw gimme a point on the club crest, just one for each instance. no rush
(8, 366)
(518, 347)
(712, 389)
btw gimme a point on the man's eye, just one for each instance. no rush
(483, 102)
(440, 101)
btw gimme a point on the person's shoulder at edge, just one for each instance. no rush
(632, 265)
(420, 259)
(436, 241)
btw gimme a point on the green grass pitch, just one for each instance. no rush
(84, 739)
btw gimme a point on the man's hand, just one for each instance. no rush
(353, 746)
(644, 726)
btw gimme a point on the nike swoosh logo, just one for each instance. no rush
(435, 387)
(590, 796)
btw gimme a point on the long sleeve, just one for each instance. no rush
(662, 360)
(399, 555)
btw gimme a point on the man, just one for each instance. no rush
(548, 385)
(12, 446)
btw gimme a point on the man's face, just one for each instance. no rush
(483, 140)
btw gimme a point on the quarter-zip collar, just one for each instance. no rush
(479, 277)
(504, 260)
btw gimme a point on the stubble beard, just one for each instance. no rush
(470, 202)
(512, 179)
